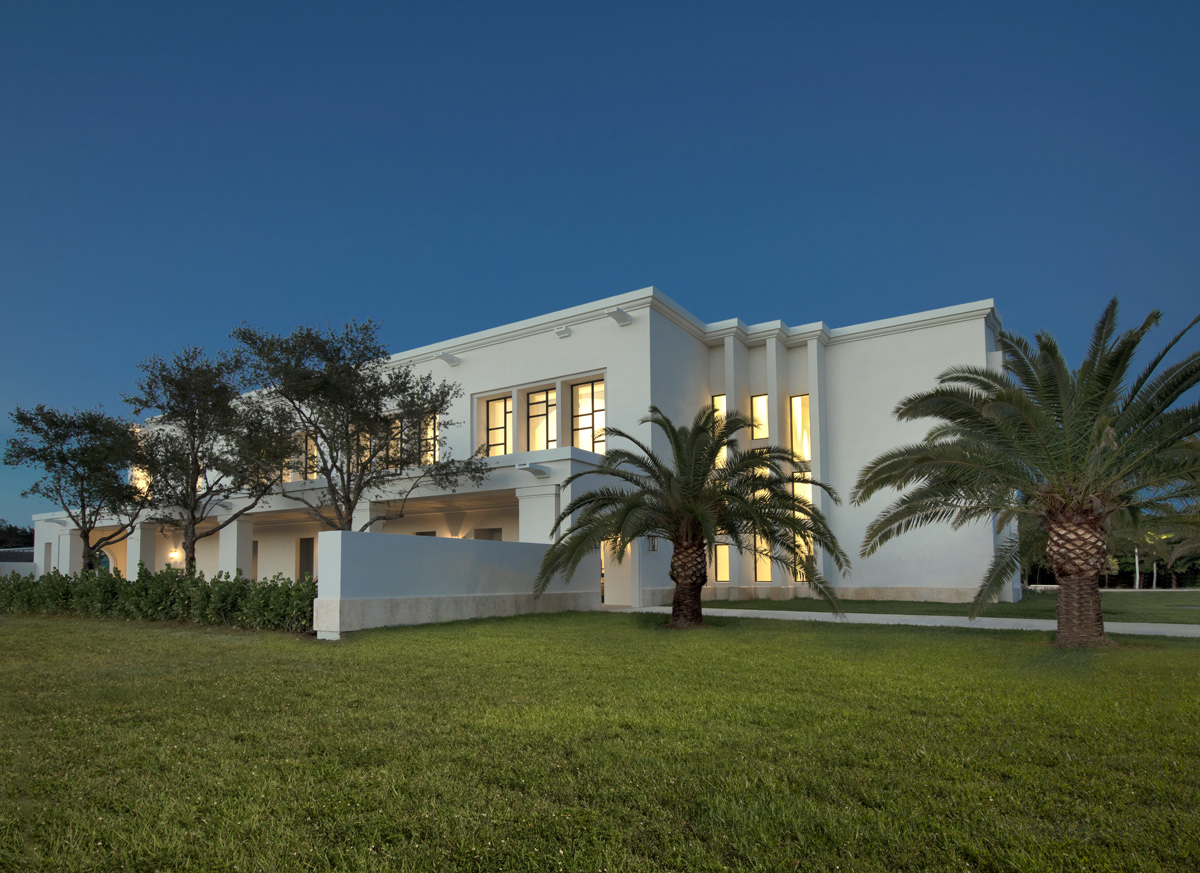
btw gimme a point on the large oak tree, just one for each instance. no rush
(85, 457)
(367, 429)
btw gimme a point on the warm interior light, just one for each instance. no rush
(174, 554)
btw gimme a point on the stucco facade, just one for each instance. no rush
(625, 354)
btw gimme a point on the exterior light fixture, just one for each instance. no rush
(174, 555)
(562, 331)
(620, 316)
(652, 544)
(448, 358)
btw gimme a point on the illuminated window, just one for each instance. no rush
(305, 466)
(721, 563)
(804, 545)
(802, 446)
(542, 420)
(587, 416)
(392, 456)
(362, 447)
(140, 480)
(499, 426)
(801, 434)
(758, 410)
(312, 458)
(429, 441)
(762, 563)
(718, 403)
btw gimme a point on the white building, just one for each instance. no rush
(539, 391)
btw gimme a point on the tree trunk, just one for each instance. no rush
(1080, 619)
(1076, 550)
(89, 554)
(689, 572)
(189, 549)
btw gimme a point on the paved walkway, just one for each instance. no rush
(1143, 628)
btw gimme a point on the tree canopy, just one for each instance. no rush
(708, 492)
(85, 457)
(367, 429)
(208, 444)
(1069, 449)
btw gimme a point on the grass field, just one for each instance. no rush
(593, 742)
(1172, 607)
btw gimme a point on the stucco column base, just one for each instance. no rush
(339, 616)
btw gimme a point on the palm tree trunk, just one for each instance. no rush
(1080, 619)
(1076, 550)
(689, 572)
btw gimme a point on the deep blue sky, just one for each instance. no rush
(169, 170)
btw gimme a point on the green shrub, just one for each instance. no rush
(278, 603)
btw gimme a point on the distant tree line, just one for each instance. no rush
(14, 537)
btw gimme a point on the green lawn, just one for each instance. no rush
(593, 742)
(1172, 607)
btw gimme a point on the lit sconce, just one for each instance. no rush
(174, 555)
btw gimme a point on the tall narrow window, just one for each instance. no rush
(801, 434)
(429, 441)
(587, 416)
(762, 563)
(304, 466)
(499, 426)
(802, 446)
(392, 457)
(721, 562)
(362, 447)
(804, 544)
(311, 457)
(542, 419)
(758, 409)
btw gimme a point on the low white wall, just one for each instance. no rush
(369, 580)
(25, 568)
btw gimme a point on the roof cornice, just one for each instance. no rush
(651, 299)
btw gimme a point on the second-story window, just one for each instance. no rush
(429, 443)
(499, 426)
(587, 415)
(758, 411)
(542, 418)
(304, 466)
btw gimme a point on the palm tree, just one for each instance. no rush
(1067, 448)
(708, 492)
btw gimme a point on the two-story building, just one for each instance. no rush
(538, 393)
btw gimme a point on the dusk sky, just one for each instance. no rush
(169, 170)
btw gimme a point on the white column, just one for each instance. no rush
(737, 376)
(141, 546)
(70, 552)
(778, 406)
(362, 514)
(537, 510)
(818, 417)
(236, 547)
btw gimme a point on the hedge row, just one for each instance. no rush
(169, 594)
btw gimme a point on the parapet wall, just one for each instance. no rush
(367, 580)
